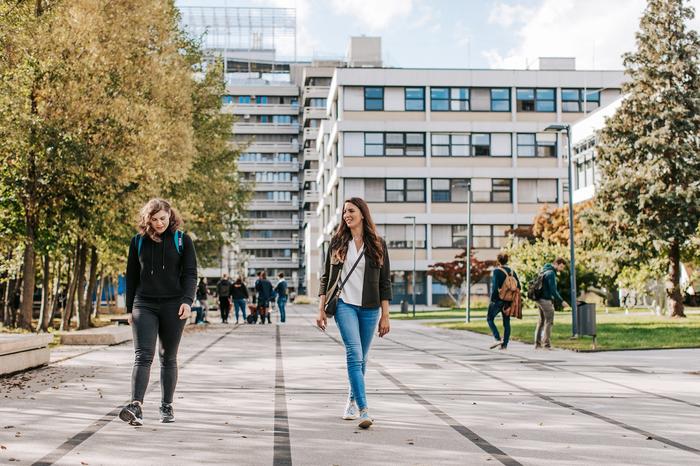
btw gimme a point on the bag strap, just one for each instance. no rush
(140, 242)
(508, 274)
(342, 283)
(177, 237)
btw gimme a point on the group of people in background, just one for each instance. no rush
(252, 310)
(505, 300)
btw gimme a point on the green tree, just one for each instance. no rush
(648, 202)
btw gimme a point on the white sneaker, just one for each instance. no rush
(351, 410)
(365, 420)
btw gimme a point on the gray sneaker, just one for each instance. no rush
(166, 413)
(365, 420)
(351, 410)
(132, 414)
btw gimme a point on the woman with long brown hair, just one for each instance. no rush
(357, 266)
(161, 279)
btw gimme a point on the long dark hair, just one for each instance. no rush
(371, 239)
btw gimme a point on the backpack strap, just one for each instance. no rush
(508, 274)
(139, 242)
(177, 237)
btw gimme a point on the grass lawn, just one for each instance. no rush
(616, 331)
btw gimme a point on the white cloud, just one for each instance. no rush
(506, 15)
(596, 32)
(372, 14)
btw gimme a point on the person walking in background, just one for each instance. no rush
(504, 284)
(202, 296)
(359, 255)
(161, 279)
(239, 293)
(223, 289)
(547, 297)
(264, 292)
(281, 290)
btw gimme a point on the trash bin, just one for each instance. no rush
(585, 319)
(404, 307)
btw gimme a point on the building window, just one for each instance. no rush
(401, 236)
(490, 236)
(243, 99)
(261, 99)
(481, 144)
(414, 99)
(405, 190)
(500, 190)
(318, 102)
(572, 100)
(445, 145)
(374, 98)
(539, 145)
(500, 99)
(226, 99)
(455, 99)
(449, 190)
(374, 190)
(395, 144)
(537, 191)
(535, 100)
(440, 190)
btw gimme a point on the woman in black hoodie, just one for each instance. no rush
(161, 279)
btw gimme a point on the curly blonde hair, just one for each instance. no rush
(151, 208)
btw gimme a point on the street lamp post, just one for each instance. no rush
(572, 263)
(468, 257)
(413, 276)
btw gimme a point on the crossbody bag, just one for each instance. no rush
(332, 302)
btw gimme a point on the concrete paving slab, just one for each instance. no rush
(267, 394)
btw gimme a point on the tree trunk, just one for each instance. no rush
(45, 294)
(673, 287)
(86, 313)
(25, 315)
(72, 286)
(82, 263)
(56, 294)
(7, 306)
(98, 294)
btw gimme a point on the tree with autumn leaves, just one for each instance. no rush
(453, 274)
(102, 106)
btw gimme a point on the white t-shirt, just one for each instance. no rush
(352, 291)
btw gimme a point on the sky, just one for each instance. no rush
(509, 34)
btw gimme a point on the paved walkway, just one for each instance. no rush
(261, 395)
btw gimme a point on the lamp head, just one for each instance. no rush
(557, 127)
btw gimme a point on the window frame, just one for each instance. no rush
(536, 100)
(537, 145)
(373, 99)
(450, 99)
(405, 190)
(406, 99)
(492, 100)
(581, 92)
(384, 144)
(450, 144)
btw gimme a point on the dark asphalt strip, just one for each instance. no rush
(282, 452)
(461, 429)
(556, 367)
(648, 435)
(66, 447)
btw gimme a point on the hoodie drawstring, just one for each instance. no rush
(162, 260)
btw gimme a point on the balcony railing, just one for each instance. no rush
(276, 186)
(311, 196)
(266, 243)
(260, 109)
(310, 175)
(310, 133)
(310, 154)
(272, 205)
(264, 146)
(279, 262)
(311, 92)
(272, 223)
(265, 128)
(257, 166)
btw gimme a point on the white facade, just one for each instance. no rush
(583, 142)
(406, 140)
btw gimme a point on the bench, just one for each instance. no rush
(22, 352)
(109, 335)
(119, 320)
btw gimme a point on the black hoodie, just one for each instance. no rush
(160, 271)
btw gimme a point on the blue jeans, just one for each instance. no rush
(282, 302)
(240, 304)
(494, 309)
(357, 326)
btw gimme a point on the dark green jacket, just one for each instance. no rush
(549, 284)
(376, 285)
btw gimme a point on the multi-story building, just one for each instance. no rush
(408, 141)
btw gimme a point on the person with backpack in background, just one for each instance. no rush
(543, 290)
(505, 289)
(202, 296)
(223, 289)
(281, 290)
(265, 291)
(161, 281)
(239, 293)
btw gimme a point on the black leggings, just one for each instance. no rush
(156, 318)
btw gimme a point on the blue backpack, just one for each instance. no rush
(177, 237)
